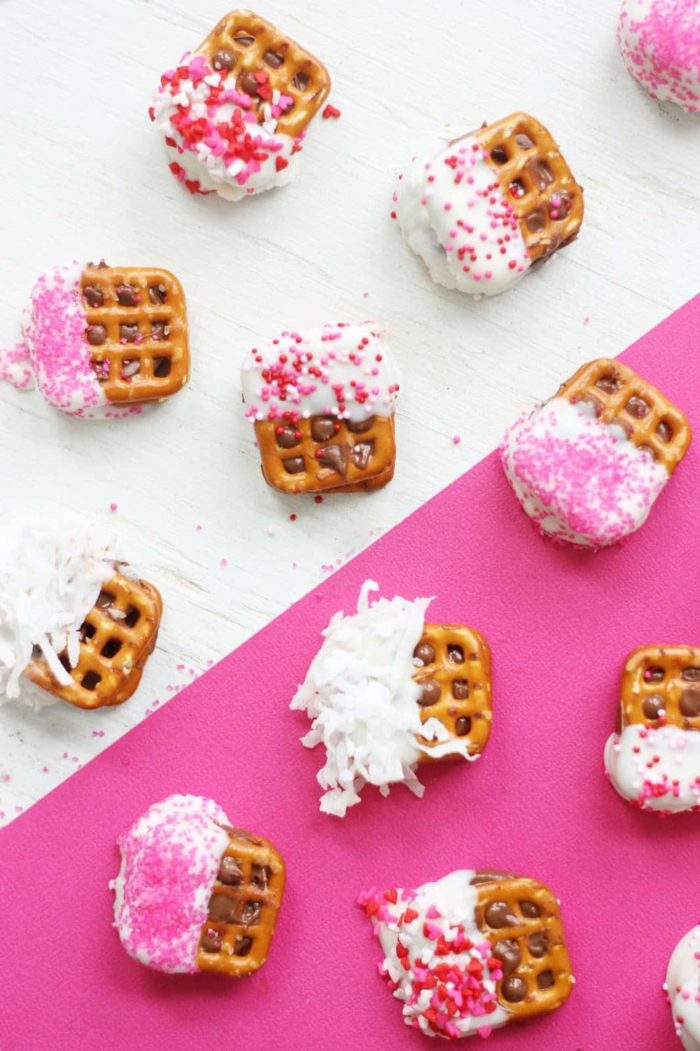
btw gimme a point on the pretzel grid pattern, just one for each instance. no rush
(622, 397)
(258, 45)
(535, 178)
(153, 362)
(666, 677)
(116, 639)
(364, 454)
(515, 909)
(462, 669)
(243, 907)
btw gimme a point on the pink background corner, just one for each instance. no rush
(560, 623)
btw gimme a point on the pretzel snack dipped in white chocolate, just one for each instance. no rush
(386, 692)
(483, 209)
(233, 115)
(588, 465)
(472, 952)
(653, 761)
(76, 623)
(100, 342)
(322, 403)
(193, 893)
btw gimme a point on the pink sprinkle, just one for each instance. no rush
(113, 507)
(456, 439)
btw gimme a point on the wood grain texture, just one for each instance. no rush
(82, 175)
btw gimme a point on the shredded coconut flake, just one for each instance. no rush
(48, 582)
(363, 703)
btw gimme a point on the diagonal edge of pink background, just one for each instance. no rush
(560, 623)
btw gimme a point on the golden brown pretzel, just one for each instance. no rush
(246, 44)
(622, 397)
(521, 919)
(536, 180)
(116, 639)
(323, 452)
(243, 907)
(661, 687)
(456, 680)
(137, 331)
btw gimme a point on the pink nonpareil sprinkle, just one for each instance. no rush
(456, 439)
(223, 562)
(113, 507)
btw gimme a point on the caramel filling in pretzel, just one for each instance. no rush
(243, 907)
(536, 180)
(455, 677)
(263, 60)
(323, 452)
(521, 919)
(116, 639)
(619, 396)
(136, 328)
(661, 687)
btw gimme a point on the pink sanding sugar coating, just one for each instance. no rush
(55, 338)
(596, 485)
(660, 43)
(55, 351)
(170, 858)
(559, 622)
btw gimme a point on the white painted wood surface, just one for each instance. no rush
(82, 175)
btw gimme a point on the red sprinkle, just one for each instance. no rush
(330, 111)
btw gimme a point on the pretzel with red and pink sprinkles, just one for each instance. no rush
(233, 114)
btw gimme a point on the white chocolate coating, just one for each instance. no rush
(582, 481)
(657, 769)
(339, 370)
(444, 910)
(212, 135)
(454, 214)
(660, 45)
(170, 859)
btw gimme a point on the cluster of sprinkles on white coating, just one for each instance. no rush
(454, 214)
(683, 989)
(581, 480)
(55, 352)
(660, 45)
(49, 581)
(340, 370)
(170, 859)
(363, 702)
(212, 134)
(656, 768)
(436, 960)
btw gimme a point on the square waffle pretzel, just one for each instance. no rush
(521, 919)
(661, 687)
(622, 397)
(137, 331)
(243, 907)
(322, 453)
(456, 680)
(116, 639)
(246, 44)
(537, 182)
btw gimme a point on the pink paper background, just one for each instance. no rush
(560, 623)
